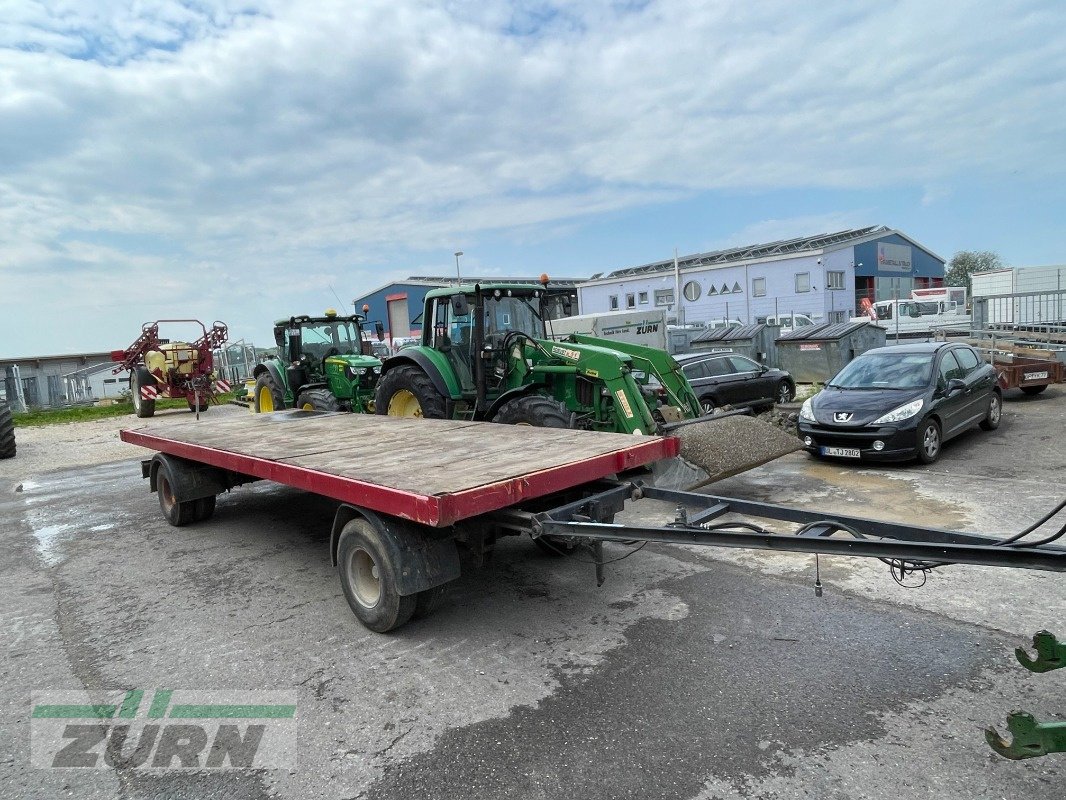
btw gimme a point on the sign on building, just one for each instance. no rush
(893, 257)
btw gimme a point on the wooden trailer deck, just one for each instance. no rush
(435, 472)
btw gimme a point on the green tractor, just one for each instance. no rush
(486, 354)
(324, 364)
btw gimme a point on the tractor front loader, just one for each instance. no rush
(485, 355)
(164, 368)
(323, 364)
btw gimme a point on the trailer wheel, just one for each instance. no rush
(7, 432)
(535, 410)
(995, 412)
(204, 508)
(268, 395)
(140, 378)
(368, 578)
(428, 601)
(198, 407)
(318, 400)
(406, 391)
(177, 513)
(1033, 389)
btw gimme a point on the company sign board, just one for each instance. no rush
(893, 258)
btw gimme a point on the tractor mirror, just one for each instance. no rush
(460, 307)
(379, 330)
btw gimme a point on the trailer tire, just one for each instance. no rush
(428, 601)
(995, 412)
(535, 410)
(177, 513)
(317, 400)
(204, 508)
(368, 578)
(203, 404)
(7, 432)
(1033, 389)
(268, 395)
(138, 378)
(407, 391)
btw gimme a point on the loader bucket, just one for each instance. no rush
(720, 446)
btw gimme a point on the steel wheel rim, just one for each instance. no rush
(931, 441)
(994, 410)
(166, 493)
(363, 577)
(707, 406)
(404, 404)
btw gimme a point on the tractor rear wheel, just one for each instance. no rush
(7, 432)
(268, 395)
(139, 379)
(407, 391)
(535, 410)
(317, 400)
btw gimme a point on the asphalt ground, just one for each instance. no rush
(691, 673)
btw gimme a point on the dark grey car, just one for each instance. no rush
(720, 379)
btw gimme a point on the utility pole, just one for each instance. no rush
(458, 278)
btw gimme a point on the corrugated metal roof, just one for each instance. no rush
(730, 333)
(827, 331)
(752, 251)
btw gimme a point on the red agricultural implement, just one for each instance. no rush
(169, 368)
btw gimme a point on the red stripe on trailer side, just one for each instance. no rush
(434, 510)
(416, 507)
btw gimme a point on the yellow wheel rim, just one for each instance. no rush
(404, 404)
(307, 407)
(266, 400)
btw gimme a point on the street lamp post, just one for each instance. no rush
(458, 277)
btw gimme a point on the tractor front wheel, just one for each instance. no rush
(534, 410)
(268, 395)
(407, 391)
(317, 400)
(140, 379)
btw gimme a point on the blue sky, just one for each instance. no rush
(248, 159)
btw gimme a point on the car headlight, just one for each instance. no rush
(905, 411)
(806, 412)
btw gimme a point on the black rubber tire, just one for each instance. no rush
(411, 379)
(930, 442)
(318, 400)
(429, 601)
(138, 378)
(266, 383)
(204, 508)
(177, 514)
(7, 432)
(535, 410)
(1031, 390)
(995, 413)
(708, 404)
(204, 405)
(368, 578)
(784, 393)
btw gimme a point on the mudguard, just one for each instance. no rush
(433, 363)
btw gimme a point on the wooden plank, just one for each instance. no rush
(433, 471)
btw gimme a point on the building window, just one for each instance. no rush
(758, 287)
(613, 300)
(803, 282)
(839, 316)
(631, 301)
(692, 291)
(664, 297)
(834, 280)
(643, 298)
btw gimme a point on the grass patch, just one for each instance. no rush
(59, 416)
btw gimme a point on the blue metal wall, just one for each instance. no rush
(416, 296)
(924, 264)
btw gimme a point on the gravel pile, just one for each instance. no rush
(730, 445)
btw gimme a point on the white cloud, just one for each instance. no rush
(333, 140)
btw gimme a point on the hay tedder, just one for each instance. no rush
(170, 368)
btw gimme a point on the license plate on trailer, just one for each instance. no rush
(845, 452)
(1034, 376)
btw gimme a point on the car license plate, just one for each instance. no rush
(1034, 376)
(845, 452)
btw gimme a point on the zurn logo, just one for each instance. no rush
(164, 729)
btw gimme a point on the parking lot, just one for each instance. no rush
(691, 673)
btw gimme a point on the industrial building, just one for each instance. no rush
(53, 381)
(824, 277)
(399, 304)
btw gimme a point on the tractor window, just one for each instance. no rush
(320, 338)
(505, 314)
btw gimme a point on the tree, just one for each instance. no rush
(966, 262)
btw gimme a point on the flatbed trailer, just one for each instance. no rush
(413, 493)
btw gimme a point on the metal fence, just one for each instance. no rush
(1035, 312)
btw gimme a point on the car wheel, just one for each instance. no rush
(929, 442)
(708, 404)
(784, 393)
(995, 413)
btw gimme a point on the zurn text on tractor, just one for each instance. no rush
(323, 364)
(170, 368)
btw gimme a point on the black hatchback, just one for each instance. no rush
(720, 379)
(902, 402)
